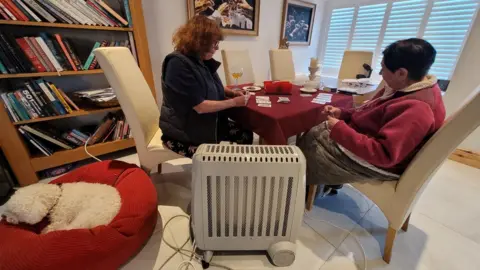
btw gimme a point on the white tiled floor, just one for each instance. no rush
(444, 231)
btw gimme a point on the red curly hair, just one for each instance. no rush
(197, 36)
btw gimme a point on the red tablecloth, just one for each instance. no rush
(276, 124)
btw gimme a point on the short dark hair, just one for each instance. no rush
(414, 54)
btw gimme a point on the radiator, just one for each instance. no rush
(248, 198)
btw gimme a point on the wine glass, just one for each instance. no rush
(237, 73)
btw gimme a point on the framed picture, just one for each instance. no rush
(235, 17)
(298, 21)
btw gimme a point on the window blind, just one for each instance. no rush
(444, 23)
(368, 26)
(404, 22)
(338, 37)
(447, 29)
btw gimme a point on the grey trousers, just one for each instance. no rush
(328, 165)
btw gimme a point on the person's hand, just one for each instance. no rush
(241, 101)
(332, 111)
(331, 122)
(234, 93)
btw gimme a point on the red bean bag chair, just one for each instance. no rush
(103, 247)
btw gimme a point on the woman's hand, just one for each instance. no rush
(331, 122)
(332, 111)
(241, 101)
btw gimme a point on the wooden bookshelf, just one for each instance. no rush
(70, 115)
(24, 165)
(66, 25)
(77, 154)
(51, 74)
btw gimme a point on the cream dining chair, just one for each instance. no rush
(396, 199)
(352, 64)
(237, 59)
(281, 65)
(138, 105)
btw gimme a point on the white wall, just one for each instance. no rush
(163, 17)
(465, 79)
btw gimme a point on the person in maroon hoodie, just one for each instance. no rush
(377, 140)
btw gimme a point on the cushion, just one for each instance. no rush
(103, 247)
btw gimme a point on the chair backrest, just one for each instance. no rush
(237, 59)
(133, 93)
(281, 65)
(428, 160)
(352, 64)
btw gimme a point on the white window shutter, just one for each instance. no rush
(368, 26)
(404, 22)
(447, 29)
(338, 38)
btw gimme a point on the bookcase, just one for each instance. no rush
(25, 165)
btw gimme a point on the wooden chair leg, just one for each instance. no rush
(387, 253)
(407, 222)
(312, 190)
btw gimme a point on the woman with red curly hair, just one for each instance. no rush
(195, 102)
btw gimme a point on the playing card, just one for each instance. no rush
(305, 95)
(264, 101)
(263, 97)
(265, 105)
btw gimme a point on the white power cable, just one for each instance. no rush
(88, 153)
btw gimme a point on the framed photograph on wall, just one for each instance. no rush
(235, 17)
(298, 21)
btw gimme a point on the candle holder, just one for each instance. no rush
(313, 72)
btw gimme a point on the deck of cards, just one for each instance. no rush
(322, 99)
(263, 101)
(283, 100)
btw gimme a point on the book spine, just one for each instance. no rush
(11, 6)
(10, 66)
(46, 136)
(49, 54)
(91, 56)
(96, 14)
(132, 46)
(22, 10)
(34, 142)
(126, 7)
(10, 54)
(19, 55)
(59, 14)
(82, 136)
(46, 91)
(79, 9)
(59, 97)
(47, 105)
(32, 102)
(42, 54)
(65, 51)
(8, 12)
(4, 14)
(112, 12)
(71, 133)
(74, 56)
(18, 107)
(42, 12)
(39, 101)
(28, 10)
(31, 112)
(102, 13)
(36, 53)
(57, 103)
(3, 69)
(55, 50)
(69, 10)
(126, 127)
(30, 55)
(68, 100)
(9, 108)
(72, 139)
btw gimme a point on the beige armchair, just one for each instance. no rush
(237, 59)
(396, 199)
(352, 64)
(281, 65)
(138, 105)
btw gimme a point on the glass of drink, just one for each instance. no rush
(237, 73)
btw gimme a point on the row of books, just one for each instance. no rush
(86, 12)
(47, 139)
(37, 99)
(45, 53)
